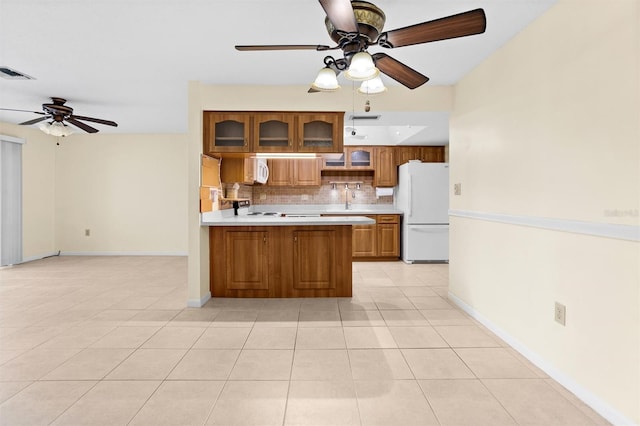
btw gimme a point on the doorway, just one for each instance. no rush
(10, 200)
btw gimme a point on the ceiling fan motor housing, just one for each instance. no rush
(370, 21)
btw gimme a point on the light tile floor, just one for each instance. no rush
(108, 340)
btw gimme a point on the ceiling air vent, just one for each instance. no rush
(11, 74)
(364, 117)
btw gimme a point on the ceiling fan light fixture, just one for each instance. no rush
(326, 81)
(55, 128)
(362, 68)
(372, 87)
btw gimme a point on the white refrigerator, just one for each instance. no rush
(422, 195)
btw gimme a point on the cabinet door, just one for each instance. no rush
(386, 171)
(406, 153)
(388, 240)
(360, 157)
(314, 265)
(432, 154)
(337, 161)
(273, 132)
(246, 260)
(306, 172)
(320, 132)
(224, 132)
(280, 172)
(363, 240)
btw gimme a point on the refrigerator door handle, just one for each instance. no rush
(410, 192)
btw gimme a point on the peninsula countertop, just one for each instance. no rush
(247, 220)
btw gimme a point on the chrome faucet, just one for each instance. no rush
(347, 204)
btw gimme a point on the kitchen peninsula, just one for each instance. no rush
(280, 256)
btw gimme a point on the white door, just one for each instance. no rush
(10, 200)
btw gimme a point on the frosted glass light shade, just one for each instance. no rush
(371, 87)
(55, 128)
(326, 81)
(362, 68)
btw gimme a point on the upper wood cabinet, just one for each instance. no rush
(226, 132)
(320, 132)
(352, 158)
(386, 173)
(298, 172)
(238, 169)
(272, 131)
(427, 154)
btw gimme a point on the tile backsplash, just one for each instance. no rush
(324, 194)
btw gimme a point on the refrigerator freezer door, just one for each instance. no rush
(425, 243)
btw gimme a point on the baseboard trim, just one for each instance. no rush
(598, 405)
(123, 253)
(608, 230)
(198, 303)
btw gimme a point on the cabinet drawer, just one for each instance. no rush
(388, 218)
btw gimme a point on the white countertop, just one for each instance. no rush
(354, 216)
(244, 220)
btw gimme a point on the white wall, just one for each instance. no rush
(547, 128)
(38, 190)
(129, 190)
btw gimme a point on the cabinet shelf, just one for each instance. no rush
(229, 138)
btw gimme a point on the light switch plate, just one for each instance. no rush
(560, 314)
(457, 188)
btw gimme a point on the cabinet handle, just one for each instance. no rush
(264, 240)
(295, 239)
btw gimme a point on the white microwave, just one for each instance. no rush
(262, 170)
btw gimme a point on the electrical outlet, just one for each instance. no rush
(457, 188)
(560, 313)
(263, 196)
(305, 197)
(87, 232)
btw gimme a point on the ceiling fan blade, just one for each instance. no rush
(318, 47)
(35, 120)
(81, 125)
(95, 120)
(22, 110)
(340, 13)
(460, 25)
(398, 71)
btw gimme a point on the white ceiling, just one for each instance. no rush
(130, 60)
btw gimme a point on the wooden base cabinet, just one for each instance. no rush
(314, 259)
(280, 261)
(379, 241)
(252, 248)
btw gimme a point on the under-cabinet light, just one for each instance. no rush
(285, 155)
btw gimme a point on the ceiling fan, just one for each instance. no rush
(355, 25)
(60, 114)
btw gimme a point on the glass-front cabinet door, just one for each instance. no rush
(224, 132)
(360, 157)
(320, 132)
(273, 132)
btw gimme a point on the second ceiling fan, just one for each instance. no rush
(356, 25)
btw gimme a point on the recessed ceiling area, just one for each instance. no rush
(130, 61)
